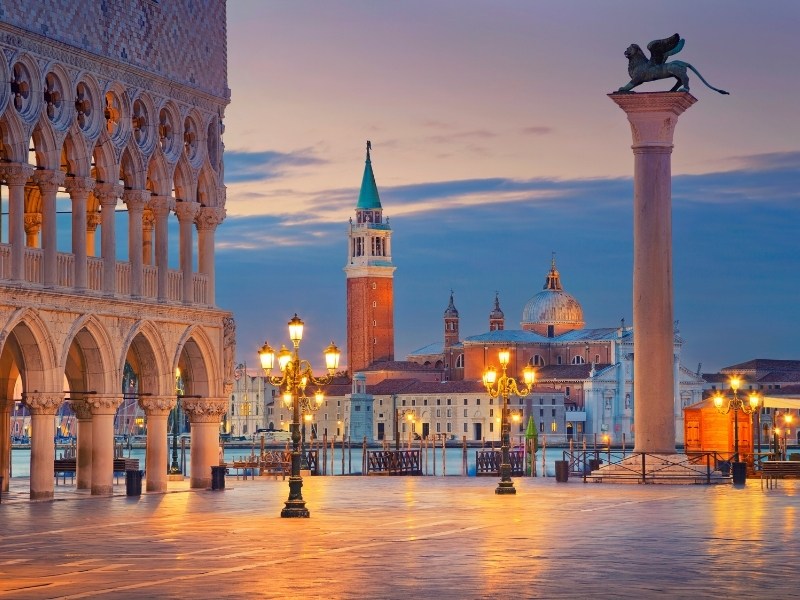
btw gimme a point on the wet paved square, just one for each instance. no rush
(381, 537)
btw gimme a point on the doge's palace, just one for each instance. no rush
(110, 139)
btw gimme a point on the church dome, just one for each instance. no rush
(552, 311)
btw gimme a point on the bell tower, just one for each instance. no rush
(370, 277)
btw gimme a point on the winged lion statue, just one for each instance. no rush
(641, 69)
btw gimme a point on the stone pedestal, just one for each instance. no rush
(204, 416)
(653, 117)
(157, 410)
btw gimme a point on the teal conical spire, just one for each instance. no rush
(368, 198)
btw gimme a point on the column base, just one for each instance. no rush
(102, 490)
(295, 509)
(42, 496)
(175, 477)
(505, 487)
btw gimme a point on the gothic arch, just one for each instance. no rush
(29, 345)
(105, 160)
(207, 186)
(195, 358)
(47, 144)
(184, 181)
(75, 156)
(88, 347)
(13, 138)
(132, 169)
(144, 350)
(159, 175)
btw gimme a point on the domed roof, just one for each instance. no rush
(552, 306)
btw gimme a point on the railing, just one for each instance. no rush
(645, 467)
(487, 462)
(393, 462)
(65, 275)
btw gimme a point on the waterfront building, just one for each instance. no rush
(250, 403)
(592, 367)
(110, 153)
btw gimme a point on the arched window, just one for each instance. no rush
(538, 361)
(578, 360)
(460, 361)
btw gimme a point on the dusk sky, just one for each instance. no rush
(494, 145)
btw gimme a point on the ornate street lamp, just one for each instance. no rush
(503, 387)
(296, 375)
(725, 404)
(780, 449)
(407, 414)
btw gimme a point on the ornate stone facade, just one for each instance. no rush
(120, 100)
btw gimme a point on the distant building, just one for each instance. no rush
(370, 277)
(593, 368)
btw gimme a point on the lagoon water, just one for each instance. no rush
(347, 462)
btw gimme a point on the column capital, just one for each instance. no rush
(79, 187)
(103, 405)
(33, 221)
(161, 205)
(205, 410)
(653, 115)
(157, 405)
(136, 199)
(108, 193)
(186, 210)
(148, 219)
(48, 180)
(41, 403)
(81, 409)
(17, 173)
(93, 219)
(209, 217)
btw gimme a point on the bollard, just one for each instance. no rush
(562, 471)
(133, 482)
(739, 471)
(218, 477)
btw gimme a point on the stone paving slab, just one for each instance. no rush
(408, 537)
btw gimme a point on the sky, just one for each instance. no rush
(494, 146)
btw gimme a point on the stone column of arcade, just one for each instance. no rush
(207, 221)
(135, 201)
(49, 182)
(204, 416)
(33, 224)
(5, 440)
(43, 409)
(186, 211)
(103, 410)
(79, 189)
(161, 207)
(108, 194)
(157, 409)
(16, 176)
(83, 460)
(653, 117)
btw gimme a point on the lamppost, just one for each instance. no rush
(724, 405)
(402, 414)
(296, 376)
(780, 448)
(175, 468)
(503, 387)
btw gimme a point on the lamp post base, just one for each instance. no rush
(505, 487)
(295, 509)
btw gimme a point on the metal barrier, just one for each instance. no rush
(393, 462)
(487, 462)
(644, 467)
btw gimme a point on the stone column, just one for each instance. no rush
(108, 194)
(204, 415)
(43, 409)
(135, 201)
(148, 223)
(33, 223)
(161, 206)
(49, 182)
(83, 460)
(186, 211)
(103, 410)
(207, 220)
(79, 189)
(93, 219)
(157, 410)
(5, 440)
(653, 117)
(16, 176)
